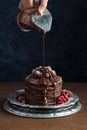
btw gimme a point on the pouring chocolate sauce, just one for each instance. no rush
(30, 18)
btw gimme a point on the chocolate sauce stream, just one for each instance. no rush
(43, 55)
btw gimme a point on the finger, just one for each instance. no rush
(42, 6)
(43, 3)
(30, 2)
(25, 4)
(41, 9)
(20, 5)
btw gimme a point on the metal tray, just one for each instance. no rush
(11, 105)
(41, 113)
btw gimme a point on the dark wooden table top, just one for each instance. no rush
(76, 121)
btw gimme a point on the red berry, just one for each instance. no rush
(60, 98)
(60, 102)
(38, 73)
(70, 93)
(65, 92)
(20, 98)
(66, 97)
(47, 75)
(23, 102)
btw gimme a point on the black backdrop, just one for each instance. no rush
(66, 43)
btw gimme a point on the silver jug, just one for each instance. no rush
(29, 19)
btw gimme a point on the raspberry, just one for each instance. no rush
(66, 97)
(60, 99)
(60, 102)
(20, 98)
(47, 75)
(38, 73)
(70, 93)
(23, 102)
(65, 92)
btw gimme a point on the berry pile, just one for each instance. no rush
(65, 95)
(46, 72)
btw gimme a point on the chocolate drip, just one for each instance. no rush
(45, 102)
(54, 84)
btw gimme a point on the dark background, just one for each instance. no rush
(66, 43)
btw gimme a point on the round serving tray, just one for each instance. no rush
(12, 105)
(41, 113)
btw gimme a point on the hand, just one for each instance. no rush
(25, 4)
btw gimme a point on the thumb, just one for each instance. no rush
(42, 6)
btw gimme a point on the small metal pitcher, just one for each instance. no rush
(29, 19)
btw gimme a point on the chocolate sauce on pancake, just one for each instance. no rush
(43, 87)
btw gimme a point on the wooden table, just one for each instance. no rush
(76, 121)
